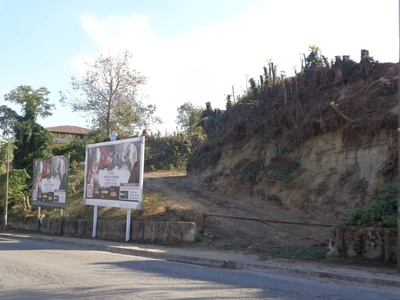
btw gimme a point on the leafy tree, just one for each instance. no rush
(18, 190)
(6, 152)
(189, 117)
(3, 155)
(108, 96)
(75, 150)
(31, 139)
(97, 136)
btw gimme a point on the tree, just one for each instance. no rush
(75, 150)
(18, 190)
(189, 117)
(107, 95)
(31, 139)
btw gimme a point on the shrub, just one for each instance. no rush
(382, 213)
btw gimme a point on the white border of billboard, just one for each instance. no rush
(114, 173)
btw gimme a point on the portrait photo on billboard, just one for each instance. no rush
(50, 181)
(114, 171)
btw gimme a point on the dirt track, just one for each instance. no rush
(185, 196)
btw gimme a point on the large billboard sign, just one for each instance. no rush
(50, 181)
(114, 173)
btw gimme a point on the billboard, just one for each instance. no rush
(50, 181)
(114, 173)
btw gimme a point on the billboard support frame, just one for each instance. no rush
(128, 223)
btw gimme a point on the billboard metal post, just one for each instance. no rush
(60, 222)
(39, 215)
(128, 224)
(95, 221)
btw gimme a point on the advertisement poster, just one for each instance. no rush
(114, 173)
(50, 181)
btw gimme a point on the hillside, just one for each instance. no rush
(309, 148)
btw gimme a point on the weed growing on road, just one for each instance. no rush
(228, 246)
(198, 238)
(243, 245)
(275, 251)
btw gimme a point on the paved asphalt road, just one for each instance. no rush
(31, 269)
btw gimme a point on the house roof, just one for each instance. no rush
(69, 129)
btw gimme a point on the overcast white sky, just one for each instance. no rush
(190, 50)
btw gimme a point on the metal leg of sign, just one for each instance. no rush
(95, 221)
(60, 222)
(39, 212)
(128, 224)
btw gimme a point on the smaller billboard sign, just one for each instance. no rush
(50, 181)
(114, 173)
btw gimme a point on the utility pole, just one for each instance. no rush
(398, 175)
(8, 171)
(247, 76)
(233, 93)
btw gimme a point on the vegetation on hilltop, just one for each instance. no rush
(355, 97)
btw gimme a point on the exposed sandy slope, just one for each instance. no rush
(187, 198)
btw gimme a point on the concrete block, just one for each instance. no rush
(111, 230)
(85, 228)
(163, 232)
(50, 225)
(70, 227)
(31, 224)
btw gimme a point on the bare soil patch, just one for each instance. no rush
(173, 195)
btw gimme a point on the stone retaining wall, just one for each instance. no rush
(171, 233)
(372, 243)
